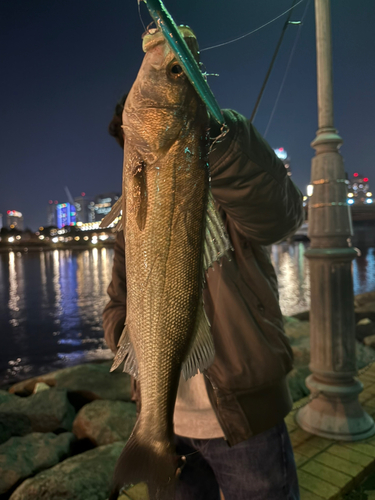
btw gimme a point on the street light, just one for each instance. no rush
(335, 412)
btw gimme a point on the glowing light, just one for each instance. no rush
(50, 202)
(55, 240)
(350, 195)
(77, 238)
(355, 175)
(11, 239)
(18, 237)
(85, 238)
(350, 201)
(41, 237)
(83, 194)
(304, 198)
(310, 189)
(365, 179)
(369, 200)
(41, 228)
(103, 237)
(368, 193)
(281, 153)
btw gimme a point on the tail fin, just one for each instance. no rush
(142, 462)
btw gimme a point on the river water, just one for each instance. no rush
(51, 303)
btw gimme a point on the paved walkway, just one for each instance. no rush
(326, 469)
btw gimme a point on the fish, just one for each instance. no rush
(173, 234)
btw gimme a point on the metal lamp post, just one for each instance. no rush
(335, 412)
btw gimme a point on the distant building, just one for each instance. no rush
(52, 213)
(104, 203)
(85, 208)
(15, 220)
(66, 215)
(283, 155)
(359, 190)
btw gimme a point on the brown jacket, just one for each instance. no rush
(260, 205)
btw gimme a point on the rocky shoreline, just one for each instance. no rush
(61, 433)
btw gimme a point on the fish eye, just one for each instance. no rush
(175, 70)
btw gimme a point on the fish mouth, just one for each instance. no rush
(155, 36)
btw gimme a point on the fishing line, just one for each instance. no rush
(287, 68)
(286, 24)
(140, 16)
(251, 32)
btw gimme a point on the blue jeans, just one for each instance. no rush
(260, 468)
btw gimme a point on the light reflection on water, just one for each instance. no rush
(51, 303)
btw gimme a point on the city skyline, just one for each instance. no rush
(67, 65)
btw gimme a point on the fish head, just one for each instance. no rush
(162, 101)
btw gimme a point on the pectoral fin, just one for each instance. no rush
(126, 353)
(112, 215)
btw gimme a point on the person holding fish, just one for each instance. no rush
(194, 311)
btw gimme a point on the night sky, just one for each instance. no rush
(64, 65)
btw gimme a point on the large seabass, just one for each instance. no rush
(172, 233)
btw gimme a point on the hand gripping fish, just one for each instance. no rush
(172, 235)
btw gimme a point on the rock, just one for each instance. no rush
(364, 306)
(364, 321)
(40, 386)
(84, 477)
(363, 299)
(369, 341)
(45, 411)
(364, 354)
(104, 422)
(91, 381)
(296, 381)
(302, 316)
(138, 492)
(6, 396)
(364, 328)
(301, 354)
(296, 329)
(22, 457)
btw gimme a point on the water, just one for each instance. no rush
(51, 303)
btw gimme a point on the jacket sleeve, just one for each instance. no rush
(251, 185)
(114, 313)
